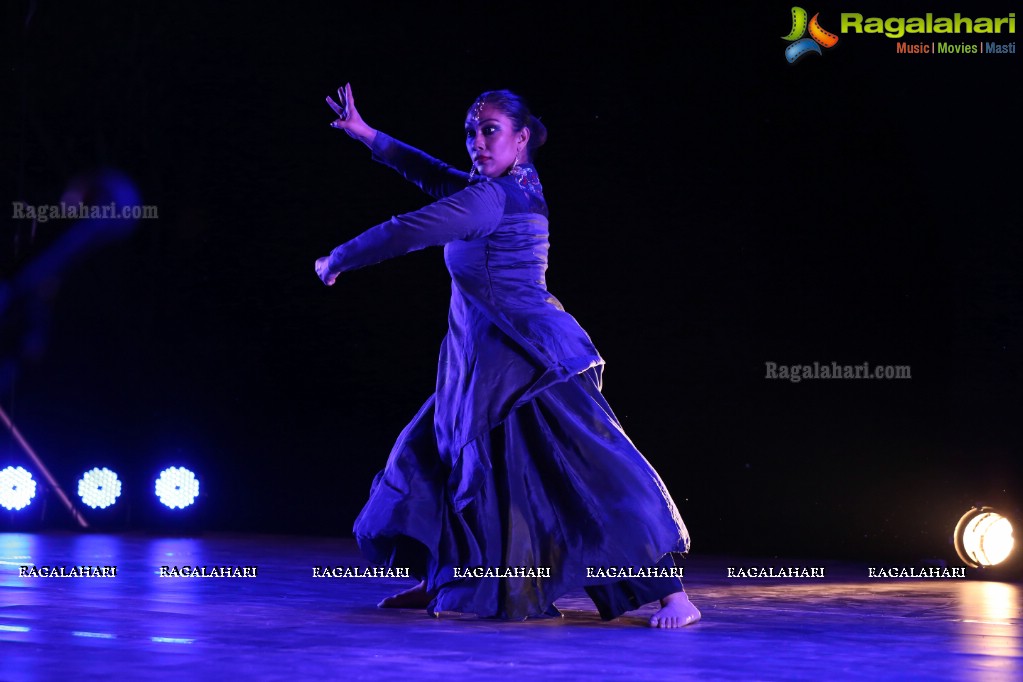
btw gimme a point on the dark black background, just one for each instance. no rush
(712, 207)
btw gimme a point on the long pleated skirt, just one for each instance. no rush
(568, 502)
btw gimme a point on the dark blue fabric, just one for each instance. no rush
(516, 460)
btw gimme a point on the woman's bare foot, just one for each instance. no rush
(413, 598)
(676, 612)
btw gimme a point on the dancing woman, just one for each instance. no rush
(516, 466)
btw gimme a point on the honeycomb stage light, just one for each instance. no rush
(99, 488)
(177, 487)
(17, 488)
(983, 537)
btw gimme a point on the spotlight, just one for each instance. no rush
(17, 488)
(177, 487)
(983, 537)
(99, 488)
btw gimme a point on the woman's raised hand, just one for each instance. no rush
(348, 118)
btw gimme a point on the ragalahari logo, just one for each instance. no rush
(801, 46)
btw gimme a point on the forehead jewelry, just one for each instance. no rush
(474, 116)
(477, 109)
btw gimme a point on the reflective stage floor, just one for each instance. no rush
(285, 624)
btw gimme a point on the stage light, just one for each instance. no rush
(99, 488)
(177, 487)
(17, 488)
(983, 537)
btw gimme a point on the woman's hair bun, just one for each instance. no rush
(537, 132)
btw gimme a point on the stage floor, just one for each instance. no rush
(285, 624)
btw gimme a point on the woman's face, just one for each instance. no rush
(492, 142)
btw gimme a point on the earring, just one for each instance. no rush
(514, 170)
(472, 172)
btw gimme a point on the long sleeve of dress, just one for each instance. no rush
(471, 213)
(431, 175)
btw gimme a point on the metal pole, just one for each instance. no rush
(75, 514)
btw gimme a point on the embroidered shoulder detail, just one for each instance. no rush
(526, 177)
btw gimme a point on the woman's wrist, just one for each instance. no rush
(334, 260)
(366, 137)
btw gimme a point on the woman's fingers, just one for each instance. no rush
(348, 118)
(323, 271)
(338, 109)
(342, 98)
(344, 107)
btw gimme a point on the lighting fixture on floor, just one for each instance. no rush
(983, 537)
(17, 488)
(177, 487)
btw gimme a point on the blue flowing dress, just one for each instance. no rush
(516, 460)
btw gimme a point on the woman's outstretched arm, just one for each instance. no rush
(471, 213)
(431, 175)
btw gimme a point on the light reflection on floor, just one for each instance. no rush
(285, 624)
